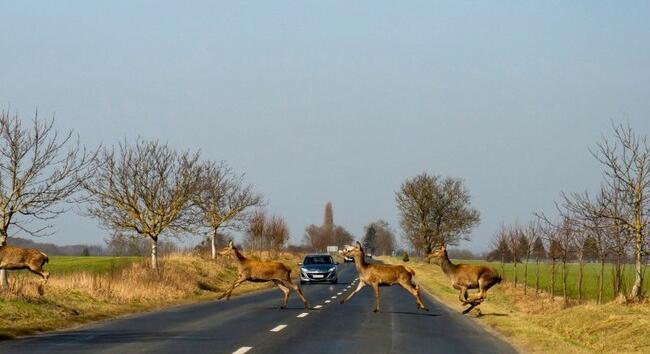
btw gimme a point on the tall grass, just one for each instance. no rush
(82, 289)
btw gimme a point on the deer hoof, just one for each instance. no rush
(342, 301)
(375, 310)
(424, 309)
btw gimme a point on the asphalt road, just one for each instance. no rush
(253, 324)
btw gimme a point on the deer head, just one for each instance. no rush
(353, 252)
(437, 254)
(226, 251)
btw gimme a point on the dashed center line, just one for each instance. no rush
(333, 297)
(327, 301)
(279, 328)
(339, 293)
(242, 350)
(318, 306)
(304, 314)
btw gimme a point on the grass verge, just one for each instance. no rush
(536, 324)
(84, 289)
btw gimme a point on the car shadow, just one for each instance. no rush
(426, 314)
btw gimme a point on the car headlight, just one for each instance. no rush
(332, 269)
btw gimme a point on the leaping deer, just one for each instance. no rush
(261, 271)
(382, 274)
(14, 258)
(466, 276)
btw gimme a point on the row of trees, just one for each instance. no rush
(266, 232)
(145, 188)
(318, 237)
(610, 226)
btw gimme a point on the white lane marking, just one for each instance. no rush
(304, 314)
(278, 328)
(318, 306)
(327, 301)
(339, 293)
(333, 297)
(242, 350)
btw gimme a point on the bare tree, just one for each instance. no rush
(435, 211)
(40, 169)
(318, 237)
(527, 244)
(144, 189)
(513, 238)
(222, 200)
(539, 252)
(256, 230)
(278, 232)
(379, 238)
(627, 172)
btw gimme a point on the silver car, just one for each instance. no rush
(318, 268)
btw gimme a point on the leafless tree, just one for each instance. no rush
(501, 249)
(278, 233)
(435, 211)
(256, 230)
(318, 237)
(527, 244)
(514, 235)
(626, 160)
(144, 189)
(40, 169)
(222, 200)
(539, 252)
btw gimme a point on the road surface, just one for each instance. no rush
(253, 324)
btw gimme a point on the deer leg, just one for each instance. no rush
(375, 287)
(285, 291)
(481, 295)
(359, 287)
(298, 291)
(415, 292)
(462, 295)
(227, 293)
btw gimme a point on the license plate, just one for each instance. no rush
(318, 276)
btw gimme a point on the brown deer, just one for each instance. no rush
(382, 274)
(14, 258)
(466, 276)
(261, 271)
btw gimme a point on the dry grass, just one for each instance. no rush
(537, 324)
(73, 298)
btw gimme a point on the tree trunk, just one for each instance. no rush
(154, 253)
(503, 269)
(601, 280)
(637, 288)
(537, 277)
(4, 282)
(580, 273)
(564, 274)
(553, 280)
(526, 276)
(213, 243)
(514, 271)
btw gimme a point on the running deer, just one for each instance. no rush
(261, 271)
(466, 276)
(382, 274)
(14, 258)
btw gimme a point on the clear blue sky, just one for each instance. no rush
(342, 101)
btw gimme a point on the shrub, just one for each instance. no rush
(405, 257)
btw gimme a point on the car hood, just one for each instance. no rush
(317, 267)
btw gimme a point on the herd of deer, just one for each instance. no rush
(462, 276)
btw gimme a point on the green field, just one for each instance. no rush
(590, 281)
(90, 264)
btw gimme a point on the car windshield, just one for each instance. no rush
(318, 260)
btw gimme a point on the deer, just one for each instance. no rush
(376, 275)
(466, 276)
(261, 271)
(15, 258)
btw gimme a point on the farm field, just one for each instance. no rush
(590, 280)
(536, 324)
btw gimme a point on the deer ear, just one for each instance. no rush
(230, 244)
(358, 244)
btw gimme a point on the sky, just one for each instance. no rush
(342, 101)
